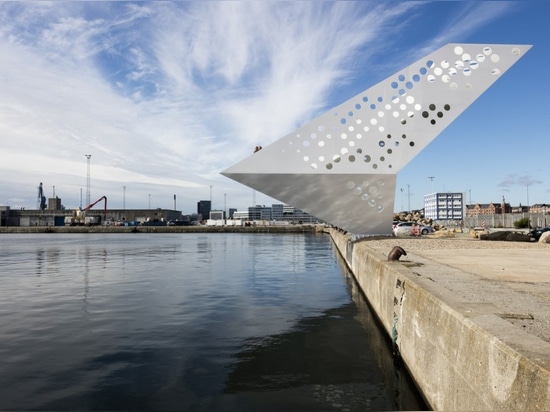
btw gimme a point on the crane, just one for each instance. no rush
(79, 215)
(97, 201)
(41, 198)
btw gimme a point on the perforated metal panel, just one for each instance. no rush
(342, 166)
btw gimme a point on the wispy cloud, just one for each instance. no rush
(459, 24)
(168, 94)
(518, 180)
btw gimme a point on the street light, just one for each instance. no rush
(432, 182)
(88, 179)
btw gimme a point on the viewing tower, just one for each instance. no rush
(342, 166)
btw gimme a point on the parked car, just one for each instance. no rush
(406, 229)
(536, 233)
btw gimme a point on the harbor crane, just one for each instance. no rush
(41, 198)
(79, 217)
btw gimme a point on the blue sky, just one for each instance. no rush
(166, 95)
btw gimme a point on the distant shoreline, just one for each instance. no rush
(163, 229)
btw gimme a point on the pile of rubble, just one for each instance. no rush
(418, 218)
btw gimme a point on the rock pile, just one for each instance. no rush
(505, 235)
(416, 217)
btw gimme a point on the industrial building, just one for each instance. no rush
(55, 215)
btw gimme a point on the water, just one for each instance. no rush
(206, 322)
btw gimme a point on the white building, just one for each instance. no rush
(444, 206)
(275, 212)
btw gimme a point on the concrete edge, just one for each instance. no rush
(462, 355)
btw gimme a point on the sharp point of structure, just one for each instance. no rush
(342, 166)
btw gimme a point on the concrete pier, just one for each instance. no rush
(464, 353)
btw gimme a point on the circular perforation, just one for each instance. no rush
(373, 120)
(432, 114)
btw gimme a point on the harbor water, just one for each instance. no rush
(189, 322)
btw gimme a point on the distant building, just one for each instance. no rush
(540, 208)
(203, 208)
(488, 209)
(54, 203)
(299, 216)
(519, 209)
(217, 215)
(231, 212)
(277, 212)
(444, 206)
(56, 214)
(240, 215)
(5, 216)
(259, 213)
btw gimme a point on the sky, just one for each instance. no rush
(163, 96)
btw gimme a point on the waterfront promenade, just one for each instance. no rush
(470, 317)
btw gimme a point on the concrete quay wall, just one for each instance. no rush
(462, 355)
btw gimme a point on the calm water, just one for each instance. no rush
(209, 322)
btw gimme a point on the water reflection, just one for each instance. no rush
(218, 322)
(400, 386)
(324, 356)
(337, 360)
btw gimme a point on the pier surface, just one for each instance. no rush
(469, 317)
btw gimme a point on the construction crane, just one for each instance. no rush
(79, 218)
(41, 198)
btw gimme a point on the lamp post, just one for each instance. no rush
(528, 211)
(409, 195)
(88, 179)
(432, 182)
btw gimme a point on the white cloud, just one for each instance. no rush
(168, 94)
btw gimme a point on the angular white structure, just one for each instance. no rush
(342, 166)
